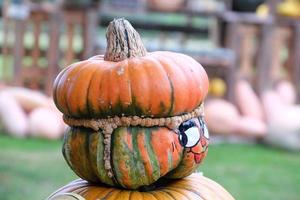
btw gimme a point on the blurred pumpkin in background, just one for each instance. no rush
(217, 87)
(165, 5)
(290, 8)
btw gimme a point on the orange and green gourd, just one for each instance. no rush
(135, 116)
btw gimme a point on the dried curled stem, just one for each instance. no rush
(123, 41)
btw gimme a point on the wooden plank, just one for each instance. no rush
(264, 59)
(37, 23)
(69, 55)
(18, 50)
(89, 27)
(53, 51)
(296, 60)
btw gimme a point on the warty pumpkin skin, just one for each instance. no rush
(194, 187)
(139, 156)
(159, 84)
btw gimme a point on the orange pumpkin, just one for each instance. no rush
(195, 187)
(129, 81)
(145, 107)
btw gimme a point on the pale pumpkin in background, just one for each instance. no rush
(247, 101)
(27, 98)
(46, 123)
(221, 116)
(283, 122)
(194, 187)
(287, 92)
(13, 118)
(250, 127)
(277, 112)
(165, 5)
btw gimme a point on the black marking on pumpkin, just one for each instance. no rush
(162, 108)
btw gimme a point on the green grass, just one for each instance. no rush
(32, 169)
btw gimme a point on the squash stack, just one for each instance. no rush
(136, 123)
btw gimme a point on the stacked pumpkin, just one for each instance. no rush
(136, 122)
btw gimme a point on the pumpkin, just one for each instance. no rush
(247, 100)
(145, 107)
(45, 123)
(27, 98)
(12, 116)
(165, 5)
(250, 127)
(217, 87)
(287, 92)
(221, 116)
(195, 187)
(139, 156)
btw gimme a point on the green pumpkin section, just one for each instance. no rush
(139, 156)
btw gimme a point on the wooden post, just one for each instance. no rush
(296, 59)
(18, 50)
(264, 58)
(53, 51)
(233, 41)
(90, 24)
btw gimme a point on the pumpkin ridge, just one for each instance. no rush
(63, 98)
(137, 158)
(113, 178)
(172, 192)
(190, 78)
(68, 94)
(66, 150)
(172, 97)
(89, 107)
(56, 84)
(152, 155)
(70, 140)
(88, 156)
(93, 142)
(103, 108)
(179, 190)
(185, 82)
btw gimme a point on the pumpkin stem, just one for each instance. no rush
(123, 41)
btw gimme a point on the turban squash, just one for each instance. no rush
(195, 187)
(135, 116)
